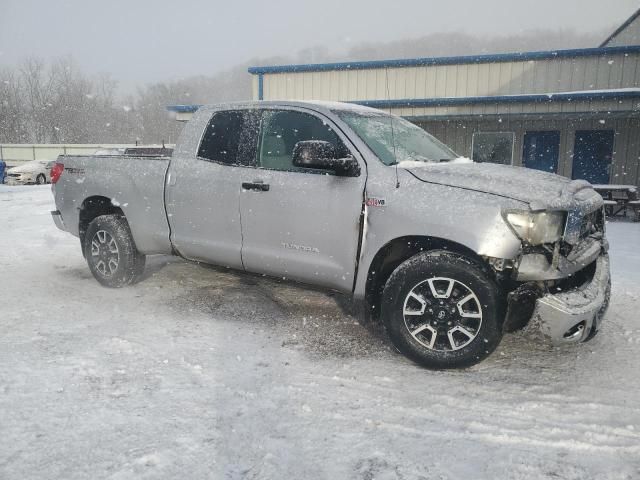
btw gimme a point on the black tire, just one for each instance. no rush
(41, 179)
(449, 318)
(128, 267)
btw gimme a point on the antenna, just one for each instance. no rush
(393, 137)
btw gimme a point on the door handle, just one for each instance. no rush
(258, 186)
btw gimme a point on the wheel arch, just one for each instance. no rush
(400, 249)
(91, 208)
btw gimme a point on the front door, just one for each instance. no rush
(301, 224)
(592, 155)
(541, 150)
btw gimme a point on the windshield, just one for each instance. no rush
(412, 143)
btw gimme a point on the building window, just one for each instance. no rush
(493, 147)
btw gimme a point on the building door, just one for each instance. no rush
(541, 150)
(592, 155)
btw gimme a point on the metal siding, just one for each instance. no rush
(399, 83)
(541, 77)
(553, 75)
(483, 79)
(370, 84)
(565, 75)
(629, 66)
(307, 87)
(298, 85)
(381, 84)
(275, 82)
(324, 86)
(430, 86)
(472, 80)
(420, 82)
(615, 72)
(254, 87)
(603, 72)
(344, 87)
(410, 82)
(591, 74)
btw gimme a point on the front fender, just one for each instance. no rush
(468, 218)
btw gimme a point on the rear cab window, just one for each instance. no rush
(231, 138)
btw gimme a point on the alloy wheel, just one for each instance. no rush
(442, 314)
(105, 253)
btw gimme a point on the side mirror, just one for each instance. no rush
(323, 156)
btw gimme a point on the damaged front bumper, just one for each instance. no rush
(575, 315)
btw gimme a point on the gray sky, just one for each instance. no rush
(152, 40)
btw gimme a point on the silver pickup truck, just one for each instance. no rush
(448, 253)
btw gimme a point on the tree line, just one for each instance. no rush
(56, 102)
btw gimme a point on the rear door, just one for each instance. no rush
(592, 154)
(203, 190)
(301, 224)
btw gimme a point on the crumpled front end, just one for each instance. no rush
(563, 288)
(574, 316)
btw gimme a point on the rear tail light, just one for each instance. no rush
(56, 171)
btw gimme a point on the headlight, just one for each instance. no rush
(537, 228)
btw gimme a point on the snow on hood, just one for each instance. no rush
(534, 187)
(418, 164)
(33, 166)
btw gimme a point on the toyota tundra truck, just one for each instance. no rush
(449, 254)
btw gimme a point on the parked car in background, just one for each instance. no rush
(36, 171)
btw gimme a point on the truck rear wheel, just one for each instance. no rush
(111, 252)
(442, 310)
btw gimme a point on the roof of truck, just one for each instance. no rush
(315, 104)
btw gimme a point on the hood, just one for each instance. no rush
(28, 167)
(539, 189)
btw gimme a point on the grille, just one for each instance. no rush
(592, 223)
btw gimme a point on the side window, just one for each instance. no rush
(281, 130)
(221, 139)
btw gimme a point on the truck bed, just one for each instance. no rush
(135, 184)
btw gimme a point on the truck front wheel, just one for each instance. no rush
(111, 252)
(442, 310)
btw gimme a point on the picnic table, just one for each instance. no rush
(620, 198)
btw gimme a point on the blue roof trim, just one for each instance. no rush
(452, 101)
(413, 62)
(183, 108)
(626, 23)
(529, 98)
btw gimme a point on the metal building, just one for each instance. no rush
(573, 112)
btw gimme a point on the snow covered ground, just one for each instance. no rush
(198, 372)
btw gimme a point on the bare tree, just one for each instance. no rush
(59, 103)
(13, 126)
